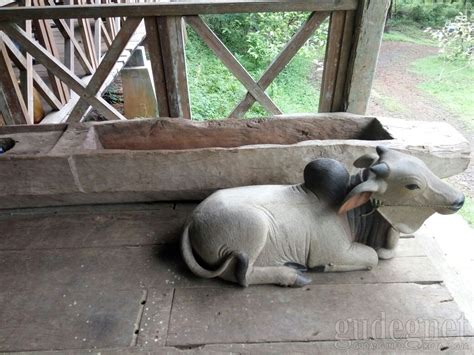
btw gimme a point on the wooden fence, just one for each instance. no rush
(115, 29)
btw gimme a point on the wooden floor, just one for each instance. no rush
(111, 278)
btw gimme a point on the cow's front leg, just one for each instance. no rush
(356, 257)
(278, 275)
(389, 249)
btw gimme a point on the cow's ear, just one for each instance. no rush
(365, 161)
(359, 195)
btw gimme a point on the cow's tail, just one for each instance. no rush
(187, 251)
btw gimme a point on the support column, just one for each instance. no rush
(369, 26)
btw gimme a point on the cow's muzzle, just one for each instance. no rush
(456, 206)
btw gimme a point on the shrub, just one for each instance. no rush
(456, 38)
(260, 36)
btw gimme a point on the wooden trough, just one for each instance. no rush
(170, 159)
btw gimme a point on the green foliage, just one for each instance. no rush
(260, 36)
(450, 82)
(255, 39)
(410, 34)
(468, 210)
(456, 39)
(425, 14)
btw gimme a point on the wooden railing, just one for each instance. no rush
(353, 42)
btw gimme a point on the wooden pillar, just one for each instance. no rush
(165, 43)
(68, 45)
(26, 74)
(369, 26)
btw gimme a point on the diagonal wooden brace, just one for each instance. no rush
(59, 69)
(106, 65)
(223, 53)
(280, 62)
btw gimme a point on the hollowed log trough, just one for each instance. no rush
(177, 159)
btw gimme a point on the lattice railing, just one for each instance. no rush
(107, 29)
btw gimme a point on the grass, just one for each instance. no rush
(389, 103)
(214, 91)
(452, 83)
(468, 210)
(408, 32)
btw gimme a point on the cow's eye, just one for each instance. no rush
(412, 187)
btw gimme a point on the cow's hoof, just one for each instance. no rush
(301, 280)
(241, 268)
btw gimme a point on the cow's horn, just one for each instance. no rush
(381, 170)
(381, 149)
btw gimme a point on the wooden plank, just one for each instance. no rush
(111, 225)
(69, 46)
(462, 345)
(172, 46)
(88, 40)
(177, 9)
(346, 44)
(156, 59)
(370, 21)
(93, 226)
(153, 329)
(26, 72)
(13, 107)
(38, 82)
(106, 65)
(107, 37)
(98, 35)
(60, 70)
(162, 266)
(331, 60)
(234, 66)
(326, 312)
(283, 58)
(42, 318)
(67, 31)
(42, 34)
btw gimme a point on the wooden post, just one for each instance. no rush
(170, 31)
(68, 45)
(369, 25)
(338, 49)
(26, 74)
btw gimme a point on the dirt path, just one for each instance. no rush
(395, 94)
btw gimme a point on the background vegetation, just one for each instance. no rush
(255, 39)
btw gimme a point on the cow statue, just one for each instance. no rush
(271, 234)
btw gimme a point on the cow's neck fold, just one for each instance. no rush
(367, 226)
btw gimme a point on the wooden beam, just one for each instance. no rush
(331, 60)
(221, 51)
(346, 45)
(54, 65)
(26, 73)
(170, 31)
(370, 21)
(38, 82)
(67, 31)
(105, 66)
(157, 68)
(283, 58)
(12, 105)
(186, 8)
(87, 38)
